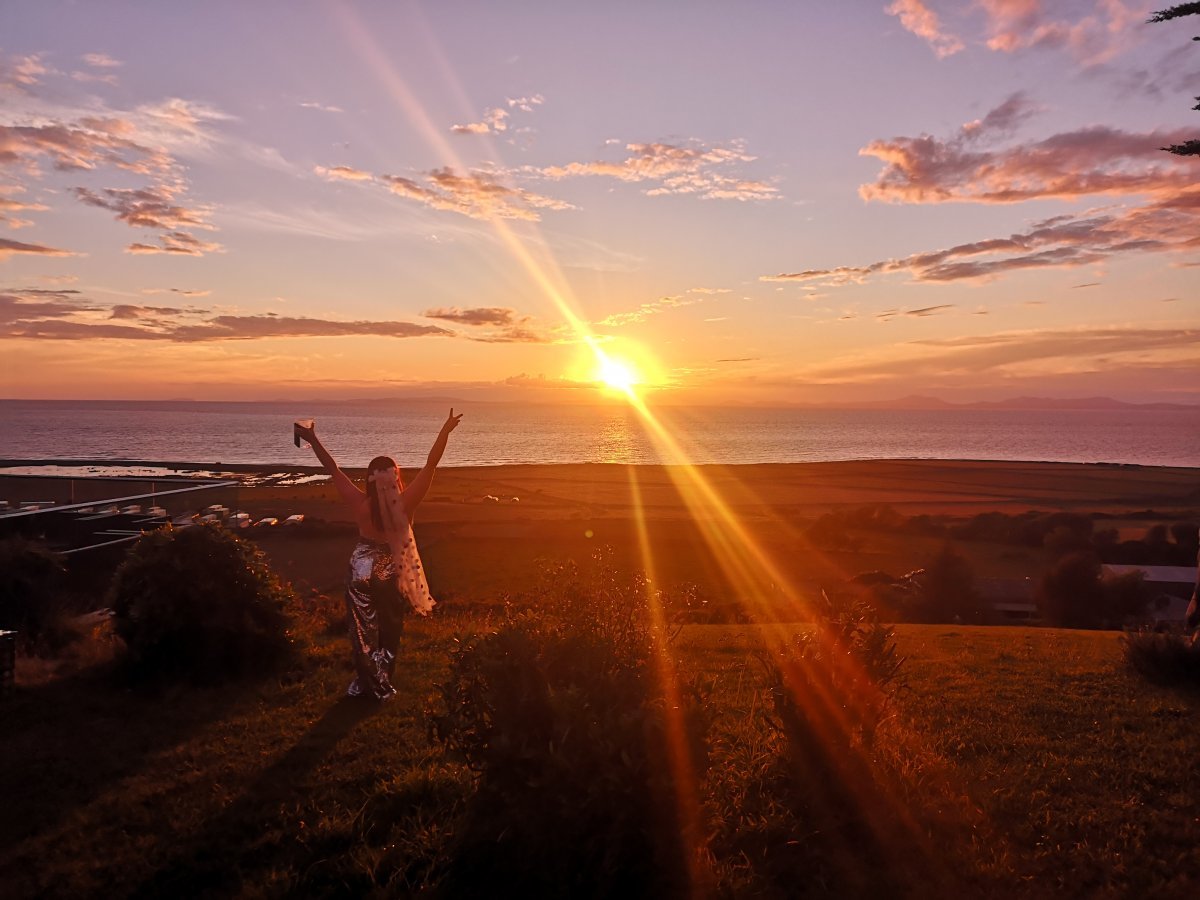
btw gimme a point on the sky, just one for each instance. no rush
(761, 203)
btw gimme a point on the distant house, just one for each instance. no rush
(1008, 601)
(1170, 589)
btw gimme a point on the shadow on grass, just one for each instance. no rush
(66, 741)
(213, 860)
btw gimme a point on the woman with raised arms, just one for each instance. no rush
(385, 568)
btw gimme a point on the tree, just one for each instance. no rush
(1070, 594)
(1187, 148)
(950, 589)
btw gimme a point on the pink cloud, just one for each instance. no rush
(22, 72)
(1169, 223)
(1040, 353)
(343, 173)
(918, 18)
(1092, 36)
(179, 243)
(494, 121)
(9, 248)
(488, 315)
(8, 206)
(87, 144)
(1094, 160)
(478, 195)
(677, 169)
(145, 207)
(55, 315)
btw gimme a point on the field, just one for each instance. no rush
(1017, 762)
(1058, 773)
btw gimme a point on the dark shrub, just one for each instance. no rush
(562, 715)
(31, 603)
(199, 604)
(949, 589)
(1186, 536)
(1070, 594)
(837, 681)
(803, 802)
(1073, 594)
(1168, 659)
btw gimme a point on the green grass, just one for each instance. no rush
(1028, 762)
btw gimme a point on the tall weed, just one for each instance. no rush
(1163, 658)
(560, 713)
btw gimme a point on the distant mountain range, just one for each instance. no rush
(913, 402)
(1049, 403)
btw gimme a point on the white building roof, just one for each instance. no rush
(1161, 574)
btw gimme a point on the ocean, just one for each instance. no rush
(501, 433)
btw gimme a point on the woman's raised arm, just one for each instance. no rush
(341, 481)
(415, 492)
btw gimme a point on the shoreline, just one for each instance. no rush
(263, 467)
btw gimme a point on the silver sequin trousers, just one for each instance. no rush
(376, 614)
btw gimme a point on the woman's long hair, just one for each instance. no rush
(377, 464)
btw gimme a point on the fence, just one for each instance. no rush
(79, 514)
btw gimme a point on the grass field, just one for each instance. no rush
(1029, 761)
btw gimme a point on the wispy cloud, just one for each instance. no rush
(1169, 224)
(100, 69)
(22, 72)
(183, 292)
(918, 18)
(84, 145)
(140, 142)
(646, 310)
(152, 207)
(1090, 31)
(343, 173)
(130, 311)
(179, 243)
(478, 195)
(10, 248)
(64, 315)
(101, 61)
(513, 329)
(496, 119)
(8, 206)
(923, 312)
(1047, 352)
(484, 315)
(691, 168)
(525, 104)
(322, 107)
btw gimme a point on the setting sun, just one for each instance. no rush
(618, 374)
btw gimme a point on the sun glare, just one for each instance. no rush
(618, 374)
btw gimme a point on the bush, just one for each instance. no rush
(1073, 594)
(31, 603)
(802, 803)
(1070, 595)
(560, 714)
(1163, 658)
(199, 604)
(837, 681)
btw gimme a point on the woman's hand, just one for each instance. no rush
(451, 421)
(306, 432)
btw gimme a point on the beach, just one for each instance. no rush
(483, 530)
